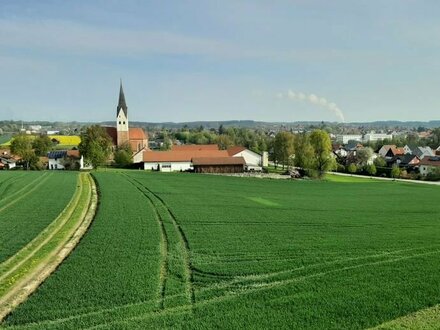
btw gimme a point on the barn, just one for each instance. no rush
(218, 164)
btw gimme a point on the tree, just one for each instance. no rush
(363, 156)
(22, 146)
(395, 171)
(380, 162)
(41, 145)
(123, 155)
(371, 169)
(224, 142)
(95, 145)
(303, 151)
(283, 147)
(322, 148)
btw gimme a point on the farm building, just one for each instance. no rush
(218, 164)
(65, 159)
(253, 161)
(180, 158)
(172, 160)
(122, 133)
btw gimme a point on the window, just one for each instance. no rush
(123, 122)
(119, 123)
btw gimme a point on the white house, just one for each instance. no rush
(429, 164)
(65, 159)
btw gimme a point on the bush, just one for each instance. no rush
(352, 168)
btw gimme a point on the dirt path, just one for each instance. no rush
(25, 286)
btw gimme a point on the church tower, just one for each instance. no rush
(122, 119)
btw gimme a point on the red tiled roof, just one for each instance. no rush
(136, 133)
(189, 147)
(73, 153)
(430, 161)
(181, 156)
(218, 161)
(235, 150)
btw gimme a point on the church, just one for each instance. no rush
(123, 134)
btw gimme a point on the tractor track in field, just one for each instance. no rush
(8, 184)
(163, 248)
(53, 228)
(185, 249)
(40, 180)
(232, 293)
(26, 285)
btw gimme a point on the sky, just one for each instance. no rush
(189, 60)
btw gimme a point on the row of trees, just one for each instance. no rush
(310, 151)
(30, 149)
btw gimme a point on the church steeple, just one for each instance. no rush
(122, 119)
(121, 103)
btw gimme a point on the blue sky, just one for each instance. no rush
(220, 60)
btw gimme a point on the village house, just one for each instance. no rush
(429, 164)
(65, 160)
(7, 160)
(420, 152)
(407, 161)
(390, 151)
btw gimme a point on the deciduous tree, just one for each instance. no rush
(95, 145)
(322, 148)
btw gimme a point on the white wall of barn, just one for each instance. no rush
(168, 166)
(250, 157)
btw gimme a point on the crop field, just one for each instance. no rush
(30, 201)
(64, 140)
(199, 251)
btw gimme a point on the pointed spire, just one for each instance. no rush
(121, 103)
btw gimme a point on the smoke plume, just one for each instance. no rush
(315, 100)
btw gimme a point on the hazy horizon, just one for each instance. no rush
(205, 61)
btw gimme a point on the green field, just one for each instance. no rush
(29, 202)
(195, 251)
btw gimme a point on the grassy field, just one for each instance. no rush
(195, 251)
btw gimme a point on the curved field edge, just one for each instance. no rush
(428, 318)
(28, 272)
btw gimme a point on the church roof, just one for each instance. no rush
(121, 103)
(136, 133)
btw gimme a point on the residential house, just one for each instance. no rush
(420, 152)
(429, 164)
(65, 159)
(407, 161)
(390, 151)
(8, 160)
